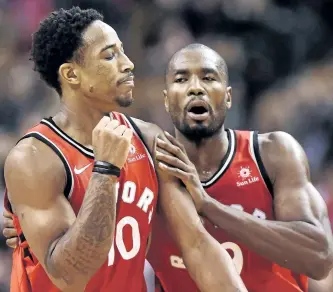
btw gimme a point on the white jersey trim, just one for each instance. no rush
(218, 174)
(89, 153)
(252, 149)
(252, 153)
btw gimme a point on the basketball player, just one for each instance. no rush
(81, 185)
(252, 190)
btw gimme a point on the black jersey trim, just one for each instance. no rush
(69, 175)
(140, 135)
(226, 161)
(52, 125)
(22, 238)
(68, 190)
(8, 204)
(261, 164)
(26, 251)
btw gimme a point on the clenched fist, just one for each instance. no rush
(111, 141)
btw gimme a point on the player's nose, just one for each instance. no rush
(126, 65)
(195, 87)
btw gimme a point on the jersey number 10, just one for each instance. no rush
(118, 240)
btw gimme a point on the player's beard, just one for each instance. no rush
(199, 131)
(124, 101)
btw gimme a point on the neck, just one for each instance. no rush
(206, 154)
(77, 118)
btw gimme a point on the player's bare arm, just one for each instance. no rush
(209, 265)
(70, 248)
(301, 238)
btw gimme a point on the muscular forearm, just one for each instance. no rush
(80, 252)
(211, 267)
(299, 246)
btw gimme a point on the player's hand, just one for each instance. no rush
(9, 232)
(172, 159)
(111, 141)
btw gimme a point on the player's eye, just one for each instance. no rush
(180, 80)
(209, 78)
(110, 56)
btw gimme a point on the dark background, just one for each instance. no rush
(279, 55)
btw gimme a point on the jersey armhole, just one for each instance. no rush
(139, 133)
(69, 175)
(261, 166)
(69, 180)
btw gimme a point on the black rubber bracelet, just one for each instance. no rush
(105, 167)
(110, 171)
(104, 164)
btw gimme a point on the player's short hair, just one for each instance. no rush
(221, 65)
(58, 41)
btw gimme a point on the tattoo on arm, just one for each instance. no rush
(84, 246)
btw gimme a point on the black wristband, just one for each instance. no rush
(107, 171)
(104, 167)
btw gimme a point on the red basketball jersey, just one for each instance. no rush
(242, 183)
(123, 270)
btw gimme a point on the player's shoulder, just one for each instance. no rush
(280, 151)
(31, 153)
(31, 164)
(278, 143)
(274, 143)
(148, 130)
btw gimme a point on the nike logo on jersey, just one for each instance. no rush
(80, 170)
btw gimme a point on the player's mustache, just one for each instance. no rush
(128, 77)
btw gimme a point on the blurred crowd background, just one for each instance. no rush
(279, 53)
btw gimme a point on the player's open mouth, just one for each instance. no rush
(198, 110)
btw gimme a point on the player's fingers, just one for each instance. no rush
(173, 171)
(154, 148)
(128, 134)
(113, 124)
(174, 141)
(6, 214)
(171, 161)
(12, 242)
(120, 130)
(166, 146)
(172, 149)
(8, 222)
(9, 232)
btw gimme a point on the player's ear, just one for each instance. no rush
(69, 73)
(228, 97)
(166, 100)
